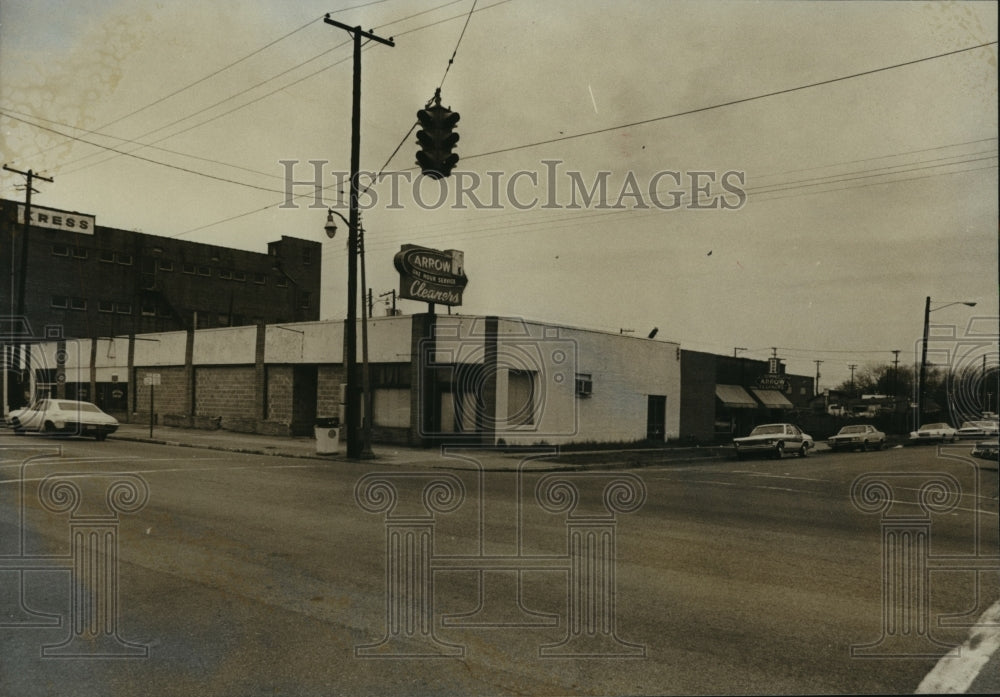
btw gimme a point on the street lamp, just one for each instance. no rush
(923, 356)
(364, 448)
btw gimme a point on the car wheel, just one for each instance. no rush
(18, 432)
(779, 451)
(864, 446)
(49, 427)
(803, 451)
(881, 445)
(100, 435)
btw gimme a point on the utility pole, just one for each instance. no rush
(852, 366)
(985, 406)
(22, 273)
(368, 415)
(817, 375)
(351, 411)
(895, 372)
(393, 294)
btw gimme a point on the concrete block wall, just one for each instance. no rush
(279, 393)
(169, 396)
(226, 391)
(328, 381)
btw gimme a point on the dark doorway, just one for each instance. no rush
(303, 399)
(656, 417)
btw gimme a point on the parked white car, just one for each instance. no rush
(978, 429)
(65, 416)
(774, 440)
(861, 436)
(934, 433)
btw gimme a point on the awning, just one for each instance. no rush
(772, 399)
(735, 397)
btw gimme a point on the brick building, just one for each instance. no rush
(726, 396)
(98, 281)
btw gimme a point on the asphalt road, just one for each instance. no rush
(262, 575)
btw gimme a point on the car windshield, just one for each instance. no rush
(767, 430)
(853, 429)
(78, 406)
(933, 427)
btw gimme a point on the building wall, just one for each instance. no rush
(169, 397)
(700, 409)
(224, 391)
(625, 371)
(246, 384)
(279, 393)
(698, 396)
(110, 281)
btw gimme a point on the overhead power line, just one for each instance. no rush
(732, 102)
(264, 82)
(140, 157)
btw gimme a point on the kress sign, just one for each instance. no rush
(430, 275)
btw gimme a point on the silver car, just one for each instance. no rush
(63, 416)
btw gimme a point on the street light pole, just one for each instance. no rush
(921, 387)
(351, 410)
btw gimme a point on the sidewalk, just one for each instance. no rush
(454, 457)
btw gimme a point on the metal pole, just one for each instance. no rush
(366, 427)
(923, 364)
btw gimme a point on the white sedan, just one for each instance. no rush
(65, 416)
(978, 429)
(774, 440)
(862, 436)
(934, 433)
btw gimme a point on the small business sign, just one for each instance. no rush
(430, 275)
(774, 382)
(151, 379)
(58, 220)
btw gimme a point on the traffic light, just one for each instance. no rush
(436, 139)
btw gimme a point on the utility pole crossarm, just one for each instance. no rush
(359, 31)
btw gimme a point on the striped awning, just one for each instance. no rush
(735, 397)
(772, 399)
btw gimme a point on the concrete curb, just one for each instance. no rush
(562, 462)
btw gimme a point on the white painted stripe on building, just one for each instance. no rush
(957, 669)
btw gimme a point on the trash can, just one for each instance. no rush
(327, 436)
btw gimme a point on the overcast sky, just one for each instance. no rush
(864, 136)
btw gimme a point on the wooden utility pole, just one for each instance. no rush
(22, 273)
(351, 405)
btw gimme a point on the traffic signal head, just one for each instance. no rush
(436, 139)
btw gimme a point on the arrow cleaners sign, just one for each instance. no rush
(430, 275)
